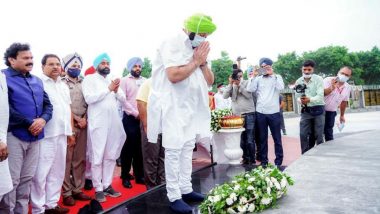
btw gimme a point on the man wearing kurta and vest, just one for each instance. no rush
(106, 132)
(28, 116)
(6, 180)
(131, 153)
(48, 180)
(178, 105)
(76, 155)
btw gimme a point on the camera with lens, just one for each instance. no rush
(235, 72)
(301, 88)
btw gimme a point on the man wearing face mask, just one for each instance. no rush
(312, 116)
(220, 102)
(178, 106)
(106, 133)
(337, 92)
(242, 104)
(267, 88)
(76, 155)
(131, 152)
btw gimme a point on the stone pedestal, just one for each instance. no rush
(226, 146)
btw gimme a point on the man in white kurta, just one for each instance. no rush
(48, 180)
(178, 105)
(6, 180)
(105, 129)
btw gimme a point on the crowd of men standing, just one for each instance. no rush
(259, 102)
(56, 127)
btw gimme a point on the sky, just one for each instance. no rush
(125, 28)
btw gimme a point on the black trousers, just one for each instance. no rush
(131, 154)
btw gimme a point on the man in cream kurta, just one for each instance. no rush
(48, 180)
(178, 105)
(105, 129)
(6, 180)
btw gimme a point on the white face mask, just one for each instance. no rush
(342, 78)
(197, 41)
(306, 76)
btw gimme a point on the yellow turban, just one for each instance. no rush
(200, 23)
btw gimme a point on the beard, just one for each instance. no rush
(104, 71)
(136, 74)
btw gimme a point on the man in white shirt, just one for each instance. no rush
(6, 180)
(220, 102)
(48, 180)
(267, 88)
(178, 106)
(106, 132)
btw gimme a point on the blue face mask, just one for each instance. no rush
(197, 41)
(73, 72)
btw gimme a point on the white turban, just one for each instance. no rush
(70, 59)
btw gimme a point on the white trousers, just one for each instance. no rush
(48, 180)
(105, 148)
(178, 168)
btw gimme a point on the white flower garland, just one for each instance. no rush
(250, 192)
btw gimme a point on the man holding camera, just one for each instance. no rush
(242, 104)
(309, 90)
(337, 92)
(267, 87)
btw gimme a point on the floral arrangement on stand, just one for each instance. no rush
(216, 117)
(249, 192)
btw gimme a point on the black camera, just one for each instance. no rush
(235, 72)
(301, 88)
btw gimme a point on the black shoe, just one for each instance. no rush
(264, 165)
(127, 183)
(88, 184)
(193, 197)
(118, 162)
(140, 181)
(281, 168)
(179, 206)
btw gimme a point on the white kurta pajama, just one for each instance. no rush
(179, 111)
(5, 176)
(106, 132)
(48, 180)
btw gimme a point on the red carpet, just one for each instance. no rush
(116, 184)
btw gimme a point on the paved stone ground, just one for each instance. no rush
(340, 176)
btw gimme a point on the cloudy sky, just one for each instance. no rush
(124, 29)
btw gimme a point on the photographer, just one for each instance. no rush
(309, 90)
(267, 87)
(337, 92)
(242, 104)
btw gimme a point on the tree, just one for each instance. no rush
(146, 68)
(369, 62)
(288, 66)
(222, 68)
